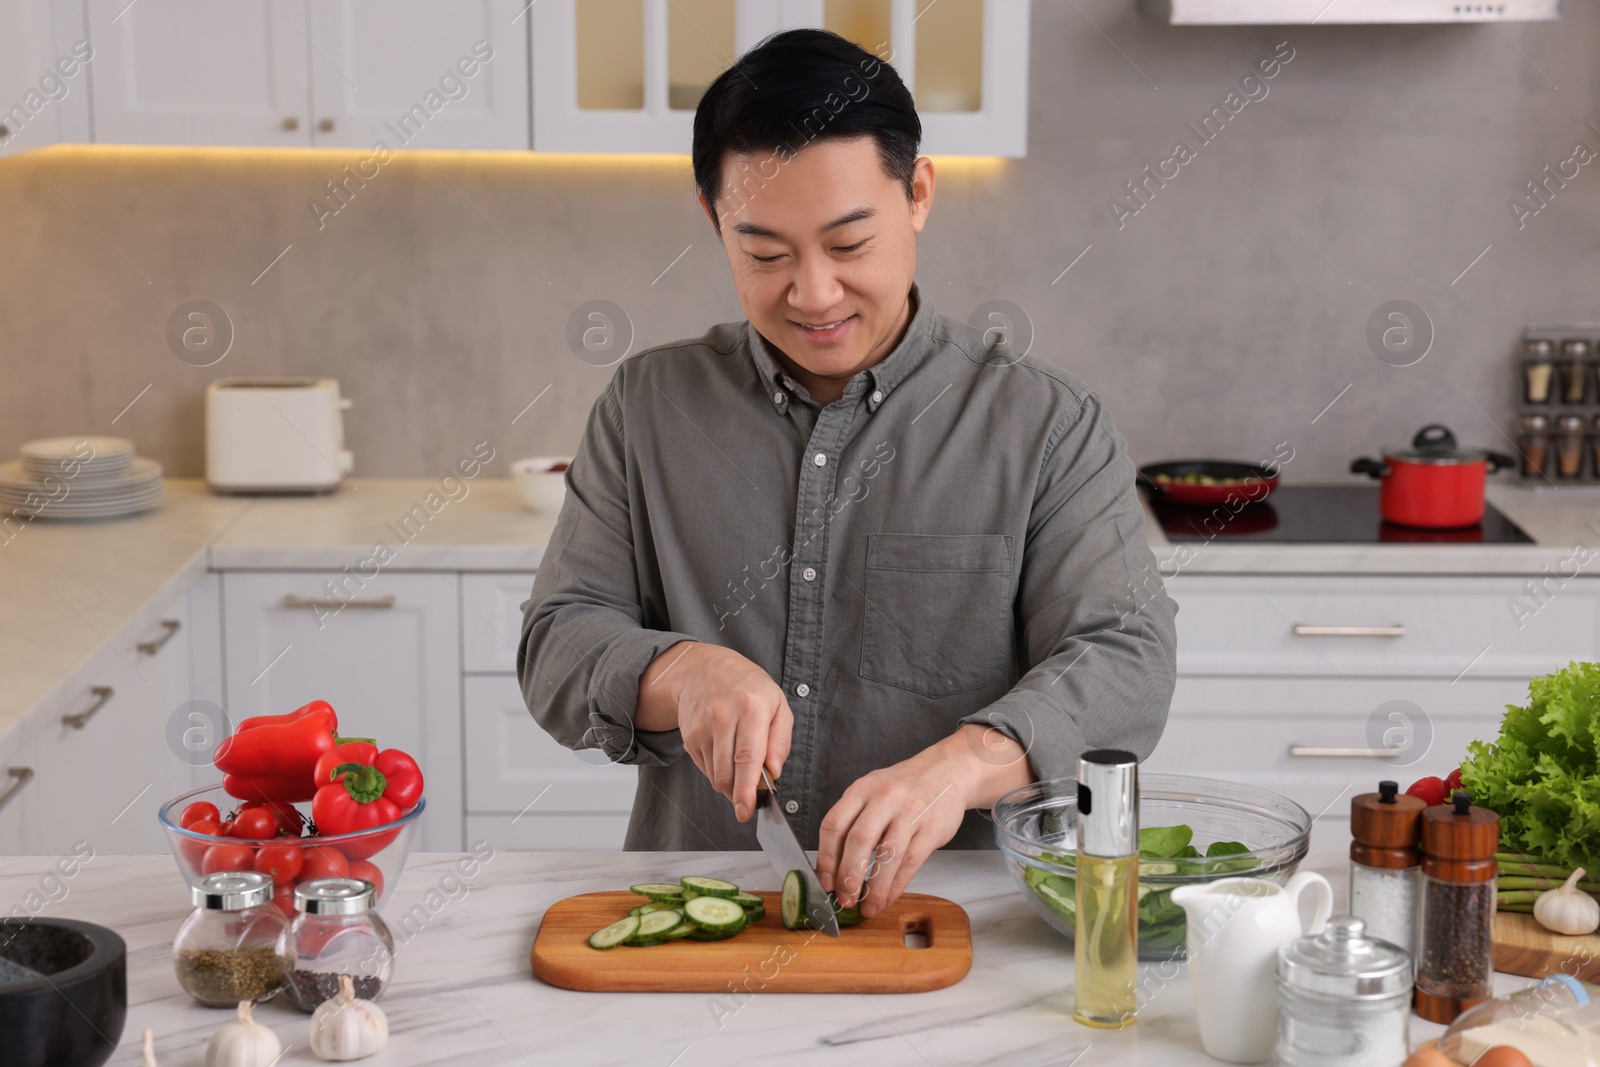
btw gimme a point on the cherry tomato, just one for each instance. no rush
(193, 852)
(255, 824)
(197, 811)
(226, 829)
(369, 871)
(322, 861)
(1430, 789)
(227, 858)
(290, 821)
(1452, 781)
(284, 899)
(283, 862)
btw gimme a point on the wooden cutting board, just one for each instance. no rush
(1522, 946)
(870, 957)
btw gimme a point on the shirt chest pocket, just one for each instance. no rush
(937, 612)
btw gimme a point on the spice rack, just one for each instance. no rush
(1558, 404)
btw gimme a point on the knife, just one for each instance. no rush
(783, 851)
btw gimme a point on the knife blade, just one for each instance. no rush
(783, 851)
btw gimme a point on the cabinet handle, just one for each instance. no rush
(325, 125)
(1303, 630)
(102, 696)
(1312, 752)
(5, 131)
(333, 602)
(20, 776)
(168, 628)
(291, 123)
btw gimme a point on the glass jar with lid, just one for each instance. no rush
(1569, 440)
(1538, 370)
(1344, 999)
(1574, 367)
(336, 932)
(1533, 442)
(227, 949)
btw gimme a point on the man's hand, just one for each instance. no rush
(886, 825)
(732, 716)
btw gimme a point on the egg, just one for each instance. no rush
(1502, 1056)
(1429, 1057)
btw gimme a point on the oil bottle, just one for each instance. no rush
(1106, 937)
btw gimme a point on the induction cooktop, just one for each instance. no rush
(1325, 514)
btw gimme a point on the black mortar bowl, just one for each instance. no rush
(72, 1014)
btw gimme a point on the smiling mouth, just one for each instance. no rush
(824, 325)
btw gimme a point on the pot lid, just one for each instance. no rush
(1344, 962)
(1437, 445)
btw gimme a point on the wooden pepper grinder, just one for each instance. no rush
(1457, 915)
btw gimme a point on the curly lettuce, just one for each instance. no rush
(1542, 775)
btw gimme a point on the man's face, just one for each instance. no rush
(830, 241)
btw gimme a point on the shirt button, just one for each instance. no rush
(809, 574)
(777, 398)
(820, 459)
(877, 396)
(802, 690)
(791, 806)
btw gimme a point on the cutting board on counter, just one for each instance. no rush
(1522, 946)
(871, 957)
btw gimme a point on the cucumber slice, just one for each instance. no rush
(709, 887)
(792, 907)
(653, 927)
(683, 929)
(700, 934)
(747, 901)
(663, 891)
(615, 934)
(756, 914)
(688, 895)
(715, 914)
(658, 905)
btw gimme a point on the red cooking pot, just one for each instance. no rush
(1433, 484)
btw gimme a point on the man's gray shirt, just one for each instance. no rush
(957, 539)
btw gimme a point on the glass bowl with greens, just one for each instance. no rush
(1191, 830)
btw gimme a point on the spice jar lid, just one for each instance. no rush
(1535, 422)
(1344, 962)
(1387, 819)
(1460, 830)
(1536, 346)
(232, 891)
(1575, 347)
(1570, 423)
(334, 896)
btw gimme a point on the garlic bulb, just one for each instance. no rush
(1568, 909)
(345, 1028)
(150, 1048)
(243, 1043)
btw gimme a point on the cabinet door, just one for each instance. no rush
(420, 74)
(384, 651)
(491, 620)
(44, 87)
(197, 72)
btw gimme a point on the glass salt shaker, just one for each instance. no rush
(1386, 828)
(1456, 920)
(336, 932)
(227, 949)
(1344, 999)
(1538, 370)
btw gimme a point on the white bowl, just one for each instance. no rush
(542, 489)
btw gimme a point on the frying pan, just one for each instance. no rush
(1253, 483)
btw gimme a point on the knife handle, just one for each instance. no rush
(767, 785)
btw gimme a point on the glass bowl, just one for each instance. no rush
(1036, 828)
(378, 854)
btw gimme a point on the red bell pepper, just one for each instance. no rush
(367, 790)
(271, 757)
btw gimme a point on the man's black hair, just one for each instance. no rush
(794, 88)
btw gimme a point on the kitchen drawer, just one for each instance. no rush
(592, 832)
(491, 619)
(513, 760)
(1442, 627)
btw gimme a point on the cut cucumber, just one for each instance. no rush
(747, 901)
(654, 926)
(716, 914)
(615, 934)
(683, 929)
(792, 908)
(658, 905)
(709, 887)
(756, 914)
(659, 891)
(700, 934)
(688, 895)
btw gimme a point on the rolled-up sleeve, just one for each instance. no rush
(1095, 626)
(583, 644)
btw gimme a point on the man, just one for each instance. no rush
(850, 539)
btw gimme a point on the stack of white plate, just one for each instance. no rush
(79, 478)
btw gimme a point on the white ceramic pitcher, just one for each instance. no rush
(1236, 926)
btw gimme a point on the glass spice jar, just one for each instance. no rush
(227, 949)
(1538, 370)
(1344, 999)
(1569, 446)
(1574, 370)
(1456, 918)
(1533, 442)
(1385, 871)
(336, 932)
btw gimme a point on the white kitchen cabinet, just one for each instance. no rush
(384, 651)
(550, 833)
(491, 620)
(420, 73)
(196, 72)
(44, 84)
(625, 75)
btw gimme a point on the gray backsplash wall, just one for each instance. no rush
(1219, 320)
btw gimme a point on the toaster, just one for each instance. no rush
(275, 435)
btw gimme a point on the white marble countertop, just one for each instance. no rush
(463, 992)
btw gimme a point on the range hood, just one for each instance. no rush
(1329, 12)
